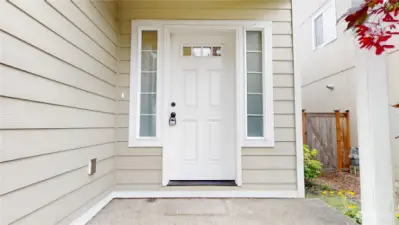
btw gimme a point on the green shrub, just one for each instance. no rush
(312, 166)
(325, 187)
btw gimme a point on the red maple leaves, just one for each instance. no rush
(374, 23)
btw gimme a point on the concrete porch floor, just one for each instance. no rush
(218, 212)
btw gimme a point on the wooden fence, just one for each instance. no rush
(329, 133)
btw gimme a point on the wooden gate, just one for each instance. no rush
(329, 133)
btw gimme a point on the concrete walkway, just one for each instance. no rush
(219, 212)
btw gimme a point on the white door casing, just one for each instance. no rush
(238, 30)
(203, 89)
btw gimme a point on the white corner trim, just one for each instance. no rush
(87, 216)
(296, 5)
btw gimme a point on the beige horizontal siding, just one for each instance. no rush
(58, 104)
(123, 80)
(138, 162)
(109, 10)
(38, 35)
(284, 94)
(122, 107)
(43, 141)
(37, 196)
(283, 80)
(283, 107)
(56, 69)
(45, 14)
(23, 85)
(139, 176)
(19, 114)
(99, 194)
(263, 168)
(282, 54)
(13, 177)
(95, 16)
(262, 176)
(264, 162)
(280, 149)
(56, 211)
(73, 13)
(122, 149)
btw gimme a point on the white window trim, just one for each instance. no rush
(322, 9)
(267, 90)
(242, 26)
(135, 89)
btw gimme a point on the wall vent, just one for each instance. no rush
(92, 167)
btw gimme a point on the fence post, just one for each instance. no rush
(347, 139)
(304, 132)
(338, 136)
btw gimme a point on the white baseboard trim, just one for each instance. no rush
(205, 194)
(87, 216)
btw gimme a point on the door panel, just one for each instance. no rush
(202, 142)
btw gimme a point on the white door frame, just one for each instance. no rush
(239, 27)
(206, 26)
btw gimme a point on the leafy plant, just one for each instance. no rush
(352, 211)
(325, 187)
(312, 166)
(374, 22)
(341, 201)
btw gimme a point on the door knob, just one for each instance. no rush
(172, 119)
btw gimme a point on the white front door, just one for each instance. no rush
(202, 90)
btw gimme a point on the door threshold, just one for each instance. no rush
(202, 183)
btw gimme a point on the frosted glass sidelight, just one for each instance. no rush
(148, 83)
(255, 126)
(255, 104)
(254, 41)
(149, 61)
(149, 40)
(147, 126)
(148, 103)
(254, 72)
(254, 84)
(254, 62)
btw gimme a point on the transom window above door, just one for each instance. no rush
(204, 51)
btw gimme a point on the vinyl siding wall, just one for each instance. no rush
(331, 65)
(263, 168)
(58, 64)
(335, 65)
